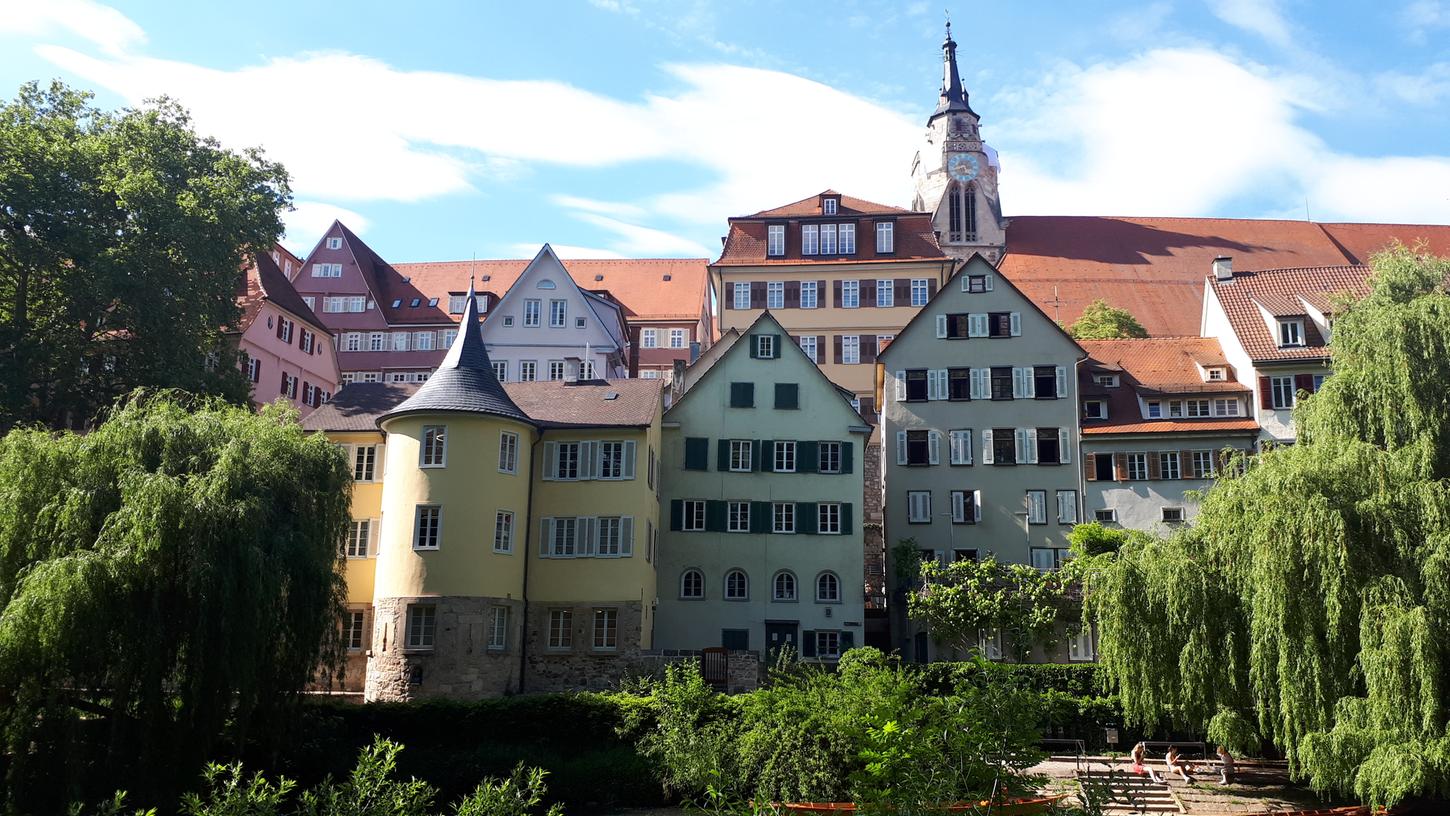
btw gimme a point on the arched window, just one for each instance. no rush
(547, 284)
(828, 588)
(969, 210)
(962, 213)
(784, 586)
(692, 584)
(737, 586)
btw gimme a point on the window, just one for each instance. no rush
(586, 370)
(556, 369)
(501, 370)
(606, 629)
(352, 341)
(850, 294)
(784, 457)
(1227, 407)
(564, 539)
(1217, 374)
(850, 349)
(1004, 446)
(782, 517)
(808, 294)
(1049, 446)
(828, 457)
(775, 240)
(558, 313)
(775, 295)
(828, 206)
(423, 341)
(359, 535)
(885, 236)
(1198, 407)
(737, 517)
(498, 627)
(919, 291)
(364, 462)
(422, 621)
(1003, 324)
(737, 586)
(828, 518)
(307, 343)
(742, 395)
(533, 308)
(649, 338)
(611, 460)
(610, 532)
(456, 303)
(1067, 507)
(913, 447)
(885, 293)
(1204, 464)
(848, 238)
(434, 452)
(528, 371)
(1046, 559)
(377, 341)
(828, 239)
(566, 461)
(810, 239)
(1044, 382)
(334, 243)
(677, 338)
(916, 385)
(918, 506)
(352, 630)
(1318, 383)
(1094, 409)
(1168, 466)
(508, 452)
(503, 531)
(561, 628)
(1175, 408)
(349, 377)
(1291, 332)
(449, 335)
(694, 520)
(1037, 507)
(741, 455)
(742, 295)
(765, 346)
(977, 284)
(427, 526)
(1137, 466)
(828, 644)
(783, 587)
(1155, 409)
(1080, 645)
(692, 584)
(327, 270)
(1001, 382)
(828, 588)
(1281, 390)
(966, 507)
(1108, 515)
(959, 447)
(368, 376)
(1173, 515)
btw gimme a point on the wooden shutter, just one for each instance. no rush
(901, 291)
(677, 514)
(761, 520)
(1185, 464)
(722, 462)
(766, 455)
(730, 294)
(1304, 382)
(900, 377)
(867, 344)
(626, 535)
(941, 327)
(546, 539)
(1090, 467)
(629, 453)
(836, 340)
(820, 348)
(807, 456)
(835, 293)
(1064, 446)
(551, 461)
(1015, 324)
(933, 447)
(868, 291)
(868, 410)
(901, 447)
(757, 294)
(808, 643)
(715, 515)
(930, 288)
(821, 301)
(805, 517)
(1155, 467)
(846, 518)
(988, 455)
(792, 294)
(1120, 466)
(976, 506)
(1266, 393)
(697, 453)
(1061, 382)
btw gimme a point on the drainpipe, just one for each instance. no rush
(528, 548)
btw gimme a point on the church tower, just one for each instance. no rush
(955, 173)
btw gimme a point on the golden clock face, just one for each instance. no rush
(964, 167)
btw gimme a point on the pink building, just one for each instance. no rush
(287, 351)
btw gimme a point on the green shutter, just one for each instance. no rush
(697, 453)
(845, 518)
(808, 643)
(787, 396)
(760, 517)
(754, 346)
(723, 461)
(760, 460)
(677, 514)
(715, 510)
(765, 455)
(805, 517)
(846, 448)
(848, 639)
(742, 395)
(775, 354)
(807, 456)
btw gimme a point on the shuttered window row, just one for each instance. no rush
(771, 455)
(872, 293)
(761, 517)
(1152, 466)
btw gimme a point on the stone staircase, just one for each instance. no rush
(1123, 792)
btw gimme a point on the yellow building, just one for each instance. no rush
(503, 538)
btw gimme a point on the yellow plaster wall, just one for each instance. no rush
(367, 503)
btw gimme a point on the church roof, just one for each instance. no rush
(953, 93)
(464, 382)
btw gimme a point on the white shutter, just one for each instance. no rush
(1016, 324)
(939, 383)
(551, 461)
(1030, 434)
(1067, 507)
(1061, 507)
(373, 527)
(378, 466)
(976, 505)
(988, 282)
(900, 386)
(1019, 442)
(941, 326)
(959, 506)
(1029, 382)
(1064, 448)
(546, 542)
(587, 460)
(987, 446)
(1018, 389)
(629, 459)
(1061, 382)
(1036, 513)
(976, 325)
(901, 447)
(626, 536)
(974, 383)
(958, 442)
(585, 530)
(933, 447)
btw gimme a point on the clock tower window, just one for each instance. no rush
(962, 213)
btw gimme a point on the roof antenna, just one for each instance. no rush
(1306, 208)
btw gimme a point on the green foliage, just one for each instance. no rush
(165, 581)
(1099, 321)
(1092, 538)
(958, 601)
(1075, 679)
(1234, 731)
(121, 239)
(1315, 587)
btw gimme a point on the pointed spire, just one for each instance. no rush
(953, 93)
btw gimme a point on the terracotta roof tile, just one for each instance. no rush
(1152, 368)
(914, 235)
(1240, 299)
(262, 281)
(561, 404)
(1247, 427)
(811, 205)
(1361, 241)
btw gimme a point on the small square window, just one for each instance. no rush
(1108, 515)
(1173, 515)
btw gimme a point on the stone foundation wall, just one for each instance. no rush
(459, 665)
(580, 666)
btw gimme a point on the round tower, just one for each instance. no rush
(448, 597)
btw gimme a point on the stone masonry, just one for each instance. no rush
(459, 665)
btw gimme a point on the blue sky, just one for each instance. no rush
(635, 127)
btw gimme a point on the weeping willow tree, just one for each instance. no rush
(165, 581)
(1313, 594)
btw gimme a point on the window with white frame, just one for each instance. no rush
(1037, 507)
(1173, 515)
(1225, 407)
(508, 452)
(782, 517)
(1047, 559)
(1094, 409)
(359, 537)
(364, 462)
(422, 623)
(810, 239)
(561, 628)
(808, 294)
(1204, 464)
(1168, 465)
(808, 345)
(558, 313)
(423, 340)
(828, 644)
(434, 450)
(1291, 332)
(564, 537)
(885, 236)
(498, 627)
(1197, 408)
(848, 238)
(427, 526)
(1137, 466)
(1080, 645)
(677, 338)
(828, 206)
(501, 370)
(353, 630)
(783, 587)
(828, 239)
(784, 457)
(775, 240)
(1155, 409)
(449, 335)
(334, 242)
(885, 293)
(918, 506)
(850, 349)
(920, 291)
(528, 370)
(828, 518)
(611, 460)
(556, 369)
(692, 584)
(737, 517)
(377, 341)
(606, 629)
(566, 460)
(741, 455)
(347, 377)
(694, 515)
(400, 340)
(649, 338)
(352, 341)
(368, 376)
(775, 295)
(828, 457)
(503, 531)
(850, 294)
(1067, 507)
(533, 311)
(828, 588)
(1281, 391)
(1107, 514)
(456, 303)
(327, 270)
(737, 585)
(609, 531)
(742, 295)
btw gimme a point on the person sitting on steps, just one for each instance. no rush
(1226, 766)
(1173, 762)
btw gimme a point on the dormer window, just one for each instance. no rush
(1216, 374)
(1094, 409)
(775, 240)
(1155, 409)
(1106, 380)
(1291, 332)
(828, 206)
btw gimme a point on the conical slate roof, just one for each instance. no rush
(464, 382)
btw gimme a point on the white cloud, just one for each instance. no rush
(108, 28)
(1425, 88)
(1261, 17)
(1424, 16)
(309, 218)
(637, 240)
(616, 208)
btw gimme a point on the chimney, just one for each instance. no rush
(1223, 268)
(633, 352)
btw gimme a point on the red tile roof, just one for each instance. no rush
(1240, 299)
(848, 205)
(357, 406)
(263, 281)
(1093, 427)
(649, 289)
(1154, 267)
(1162, 364)
(914, 236)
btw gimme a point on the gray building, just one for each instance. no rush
(980, 433)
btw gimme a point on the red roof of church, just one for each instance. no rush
(1154, 267)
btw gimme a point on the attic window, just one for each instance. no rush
(1106, 380)
(397, 303)
(598, 278)
(1291, 332)
(413, 304)
(432, 301)
(487, 278)
(547, 284)
(669, 276)
(611, 395)
(1094, 409)
(1217, 374)
(334, 243)
(828, 206)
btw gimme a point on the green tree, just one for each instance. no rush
(121, 237)
(1314, 591)
(166, 581)
(958, 601)
(1099, 321)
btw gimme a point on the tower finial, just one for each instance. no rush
(953, 94)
